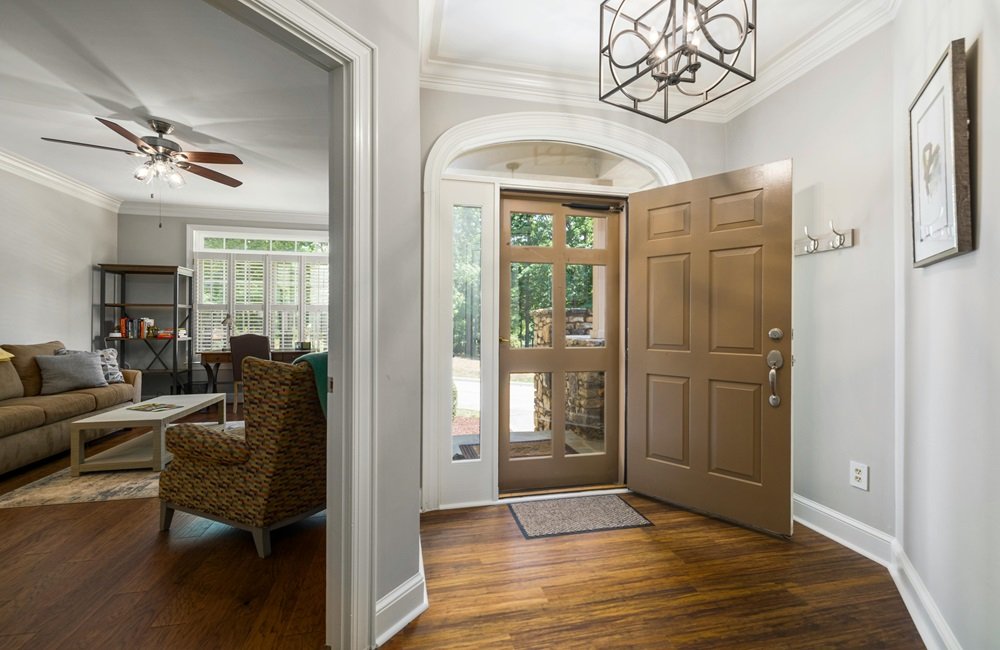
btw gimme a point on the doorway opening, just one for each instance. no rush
(529, 155)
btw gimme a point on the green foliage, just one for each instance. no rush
(466, 281)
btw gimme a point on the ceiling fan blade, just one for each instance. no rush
(95, 146)
(128, 135)
(210, 174)
(210, 157)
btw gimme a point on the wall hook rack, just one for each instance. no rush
(831, 241)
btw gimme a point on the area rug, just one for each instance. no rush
(523, 449)
(93, 486)
(60, 487)
(573, 515)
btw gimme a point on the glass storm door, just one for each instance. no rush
(559, 343)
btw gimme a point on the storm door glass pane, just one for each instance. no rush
(531, 415)
(530, 305)
(585, 288)
(585, 412)
(466, 309)
(529, 229)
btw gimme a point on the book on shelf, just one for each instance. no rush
(135, 328)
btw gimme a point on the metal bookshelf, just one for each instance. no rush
(173, 356)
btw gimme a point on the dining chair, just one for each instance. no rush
(241, 347)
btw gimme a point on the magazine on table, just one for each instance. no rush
(153, 407)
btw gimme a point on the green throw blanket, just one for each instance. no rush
(318, 362)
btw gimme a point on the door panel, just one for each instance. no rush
(709, 276)
(559, 346)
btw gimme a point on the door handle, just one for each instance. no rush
(774, 362)
(503, 340)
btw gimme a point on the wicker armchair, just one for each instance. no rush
(271, 474)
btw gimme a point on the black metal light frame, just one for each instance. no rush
(674, 55)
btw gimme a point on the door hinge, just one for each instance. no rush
(329, 384)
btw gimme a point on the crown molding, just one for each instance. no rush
(836, 36)
(272, 217)
(52, 179)
(863, 18)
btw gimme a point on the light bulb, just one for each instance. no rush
(143, 172)
(696, 41)
(160, 168)
(692, 18)
(175, 179)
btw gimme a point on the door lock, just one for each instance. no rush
(503, 340)
(774, 362)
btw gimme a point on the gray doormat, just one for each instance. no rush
(573, 515)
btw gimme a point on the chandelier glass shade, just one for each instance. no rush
(159, 166)
(664, 59)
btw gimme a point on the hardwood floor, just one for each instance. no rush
(687, 582)
(101, 575)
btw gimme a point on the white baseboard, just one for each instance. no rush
(933, 628)
(847, 531)
(395, 610)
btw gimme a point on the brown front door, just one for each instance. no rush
(559, 347)
(709, 311)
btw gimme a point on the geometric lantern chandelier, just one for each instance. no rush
(665, 59)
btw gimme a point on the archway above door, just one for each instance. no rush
(663, 160)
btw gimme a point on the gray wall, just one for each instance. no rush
(950, 513)
(393, 27)
(700, 143)
(142, 241)
(836, 124)
(52, 241)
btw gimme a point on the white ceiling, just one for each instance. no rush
(225, 87)
(548, 49)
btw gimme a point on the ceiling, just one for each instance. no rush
(226, 88)
(547, 49)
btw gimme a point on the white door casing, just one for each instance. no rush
(445, 484)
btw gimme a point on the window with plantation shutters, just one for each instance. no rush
(249, 283)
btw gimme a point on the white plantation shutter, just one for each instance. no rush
(283, 296)
(212, 296)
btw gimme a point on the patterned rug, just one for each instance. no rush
(92, 486)
(573, 515)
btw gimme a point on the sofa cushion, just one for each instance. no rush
(24, 363)
(58, 407)
(110, 395)
(10, 383)
(62, 373)
(17, 418)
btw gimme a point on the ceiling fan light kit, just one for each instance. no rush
(664, 59)
(165, 159)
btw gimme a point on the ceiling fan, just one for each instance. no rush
(165, 158)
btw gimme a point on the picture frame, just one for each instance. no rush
(940, 174)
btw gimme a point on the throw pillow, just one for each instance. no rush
(66, 372)
(24, 363)
(109, 363)
(10, 383)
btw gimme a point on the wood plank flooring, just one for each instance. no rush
(101, 575)
(686, 582)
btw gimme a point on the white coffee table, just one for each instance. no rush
(147, 450)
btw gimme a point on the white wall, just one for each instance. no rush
(950, 508)
(393, 27)
(51, 242)
(700, 143)
(836, 125)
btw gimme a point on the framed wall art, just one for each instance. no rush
(940, 163)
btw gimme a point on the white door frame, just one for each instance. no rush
(351, 535)
(661, 159)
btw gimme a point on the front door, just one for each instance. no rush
(559, 347)
(709, 345)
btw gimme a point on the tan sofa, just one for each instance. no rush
(34, 426)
